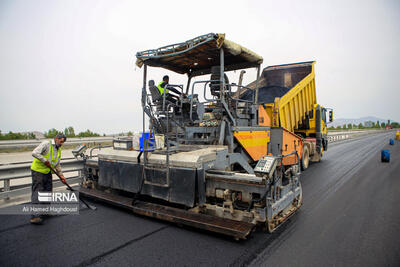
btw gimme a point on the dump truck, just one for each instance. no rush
(287, 94)
(220, 157)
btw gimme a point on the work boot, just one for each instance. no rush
(36, 220)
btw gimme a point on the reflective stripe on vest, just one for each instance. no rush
(162, 89)
(39, 166)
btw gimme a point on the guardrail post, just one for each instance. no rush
(7, 188)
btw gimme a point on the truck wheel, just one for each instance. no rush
(305, 158)
(321, 154)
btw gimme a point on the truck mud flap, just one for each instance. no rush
(236, 229)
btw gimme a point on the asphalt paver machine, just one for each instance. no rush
(218, 166)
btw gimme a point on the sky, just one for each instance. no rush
(72, 63)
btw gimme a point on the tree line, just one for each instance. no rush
(16, 136)
(69, 132)
(374, 125)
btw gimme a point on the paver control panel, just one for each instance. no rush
(266, 164)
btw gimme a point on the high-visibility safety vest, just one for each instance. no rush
(39, 166)
(162, 89)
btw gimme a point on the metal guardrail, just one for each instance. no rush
(334, 137)
(12, 144)
(18, 171)
(69, 139)
(26, 190)
(338, 137)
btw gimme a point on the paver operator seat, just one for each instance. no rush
(156, 96)
(215, 77)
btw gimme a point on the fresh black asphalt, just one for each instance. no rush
(350, 217)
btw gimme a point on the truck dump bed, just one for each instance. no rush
(291, 87)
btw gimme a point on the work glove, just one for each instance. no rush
(47, 163)
(63, 179)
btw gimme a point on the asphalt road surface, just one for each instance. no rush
(350, 217)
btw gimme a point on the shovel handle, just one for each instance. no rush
(58, 175)
(70, 188)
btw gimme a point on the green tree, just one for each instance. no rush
(383, 125)
(52, 133)
(31, 136)
(88, 133)
(395, 125)
(344, 127)
(338, 127)
(349, 126)
(360, 126)
(69, 132)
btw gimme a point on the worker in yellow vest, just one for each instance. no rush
(163, 90)
(47, 154)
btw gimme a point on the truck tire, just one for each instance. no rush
(305, 158)
(325, 144)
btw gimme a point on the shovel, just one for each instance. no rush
(70, 188)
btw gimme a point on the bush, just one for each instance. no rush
(16, 136)
(88, 133)
(52, 133)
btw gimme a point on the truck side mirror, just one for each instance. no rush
(330, 116)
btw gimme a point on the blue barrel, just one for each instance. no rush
(146, 141)
(391, 142)
(385, 155)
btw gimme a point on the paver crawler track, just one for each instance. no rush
(236, 229)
